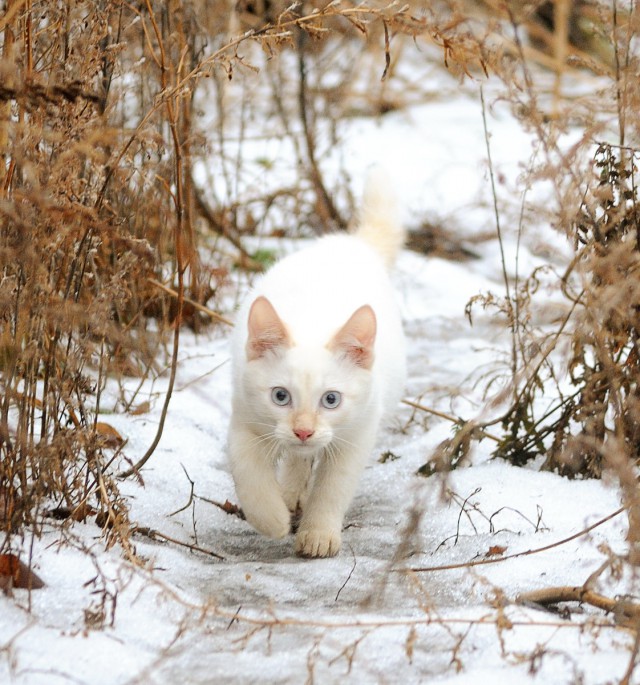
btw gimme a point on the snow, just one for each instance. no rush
(260, 614)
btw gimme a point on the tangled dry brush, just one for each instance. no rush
(108, 246)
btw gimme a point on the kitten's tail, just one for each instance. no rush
(378, 221)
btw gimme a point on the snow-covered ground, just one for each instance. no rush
(253, 611)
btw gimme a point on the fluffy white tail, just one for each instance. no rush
(378, 221)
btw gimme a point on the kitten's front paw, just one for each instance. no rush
(275, 523)
(318, 543)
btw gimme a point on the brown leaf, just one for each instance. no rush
(142, 408)
(110, 434)
(82, 511)
(105, 519)
(495, 551)
(232, 509)
(79, 513)
(15, 574)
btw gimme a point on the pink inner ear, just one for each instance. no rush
(266, 329)
(357, 337)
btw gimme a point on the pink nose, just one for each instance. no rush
(303, 434)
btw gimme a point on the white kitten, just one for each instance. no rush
(319, 358)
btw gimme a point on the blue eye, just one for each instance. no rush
(331, 399)
(281, 396)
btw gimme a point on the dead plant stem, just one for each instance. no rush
(329, 214)
(537, 550)
(513, 324)
(633, 659)
(181, 262)
(193, 303)
(625, 612)
(264, 33)
(156, 534)
(561, 14)
(448, 417)
(270, 620)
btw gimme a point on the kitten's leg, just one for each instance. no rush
(295, 472)
(335, 482)
(254, 474)
(294, 475)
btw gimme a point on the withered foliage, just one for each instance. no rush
(101, 221)
(102, 224)
(605, 364)
(75, 255)
(598, 415)
(588, 422)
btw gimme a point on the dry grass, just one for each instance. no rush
(100, 218)
(108, 246)
(592, 424)
(100, 106)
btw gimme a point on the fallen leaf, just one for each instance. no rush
(15, 574)
(79, 513)
(82, 511)
(142, 408)
(232, 509)
(495, 551)
(110, 434)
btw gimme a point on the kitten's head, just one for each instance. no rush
(308, 395)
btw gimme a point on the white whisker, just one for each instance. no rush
(343, 441)
(332, 451)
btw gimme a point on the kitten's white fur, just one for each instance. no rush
(322, 320)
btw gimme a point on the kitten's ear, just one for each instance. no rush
(357, 337)
(266, 330)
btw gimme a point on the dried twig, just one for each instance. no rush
(626, 613)
(228, 507)
(182, 229)
(222, 227)
(496, 560)
(156, 534)
(193, 303)
(511, 320)
(449, 417)
(328, 211)
(348, 578)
